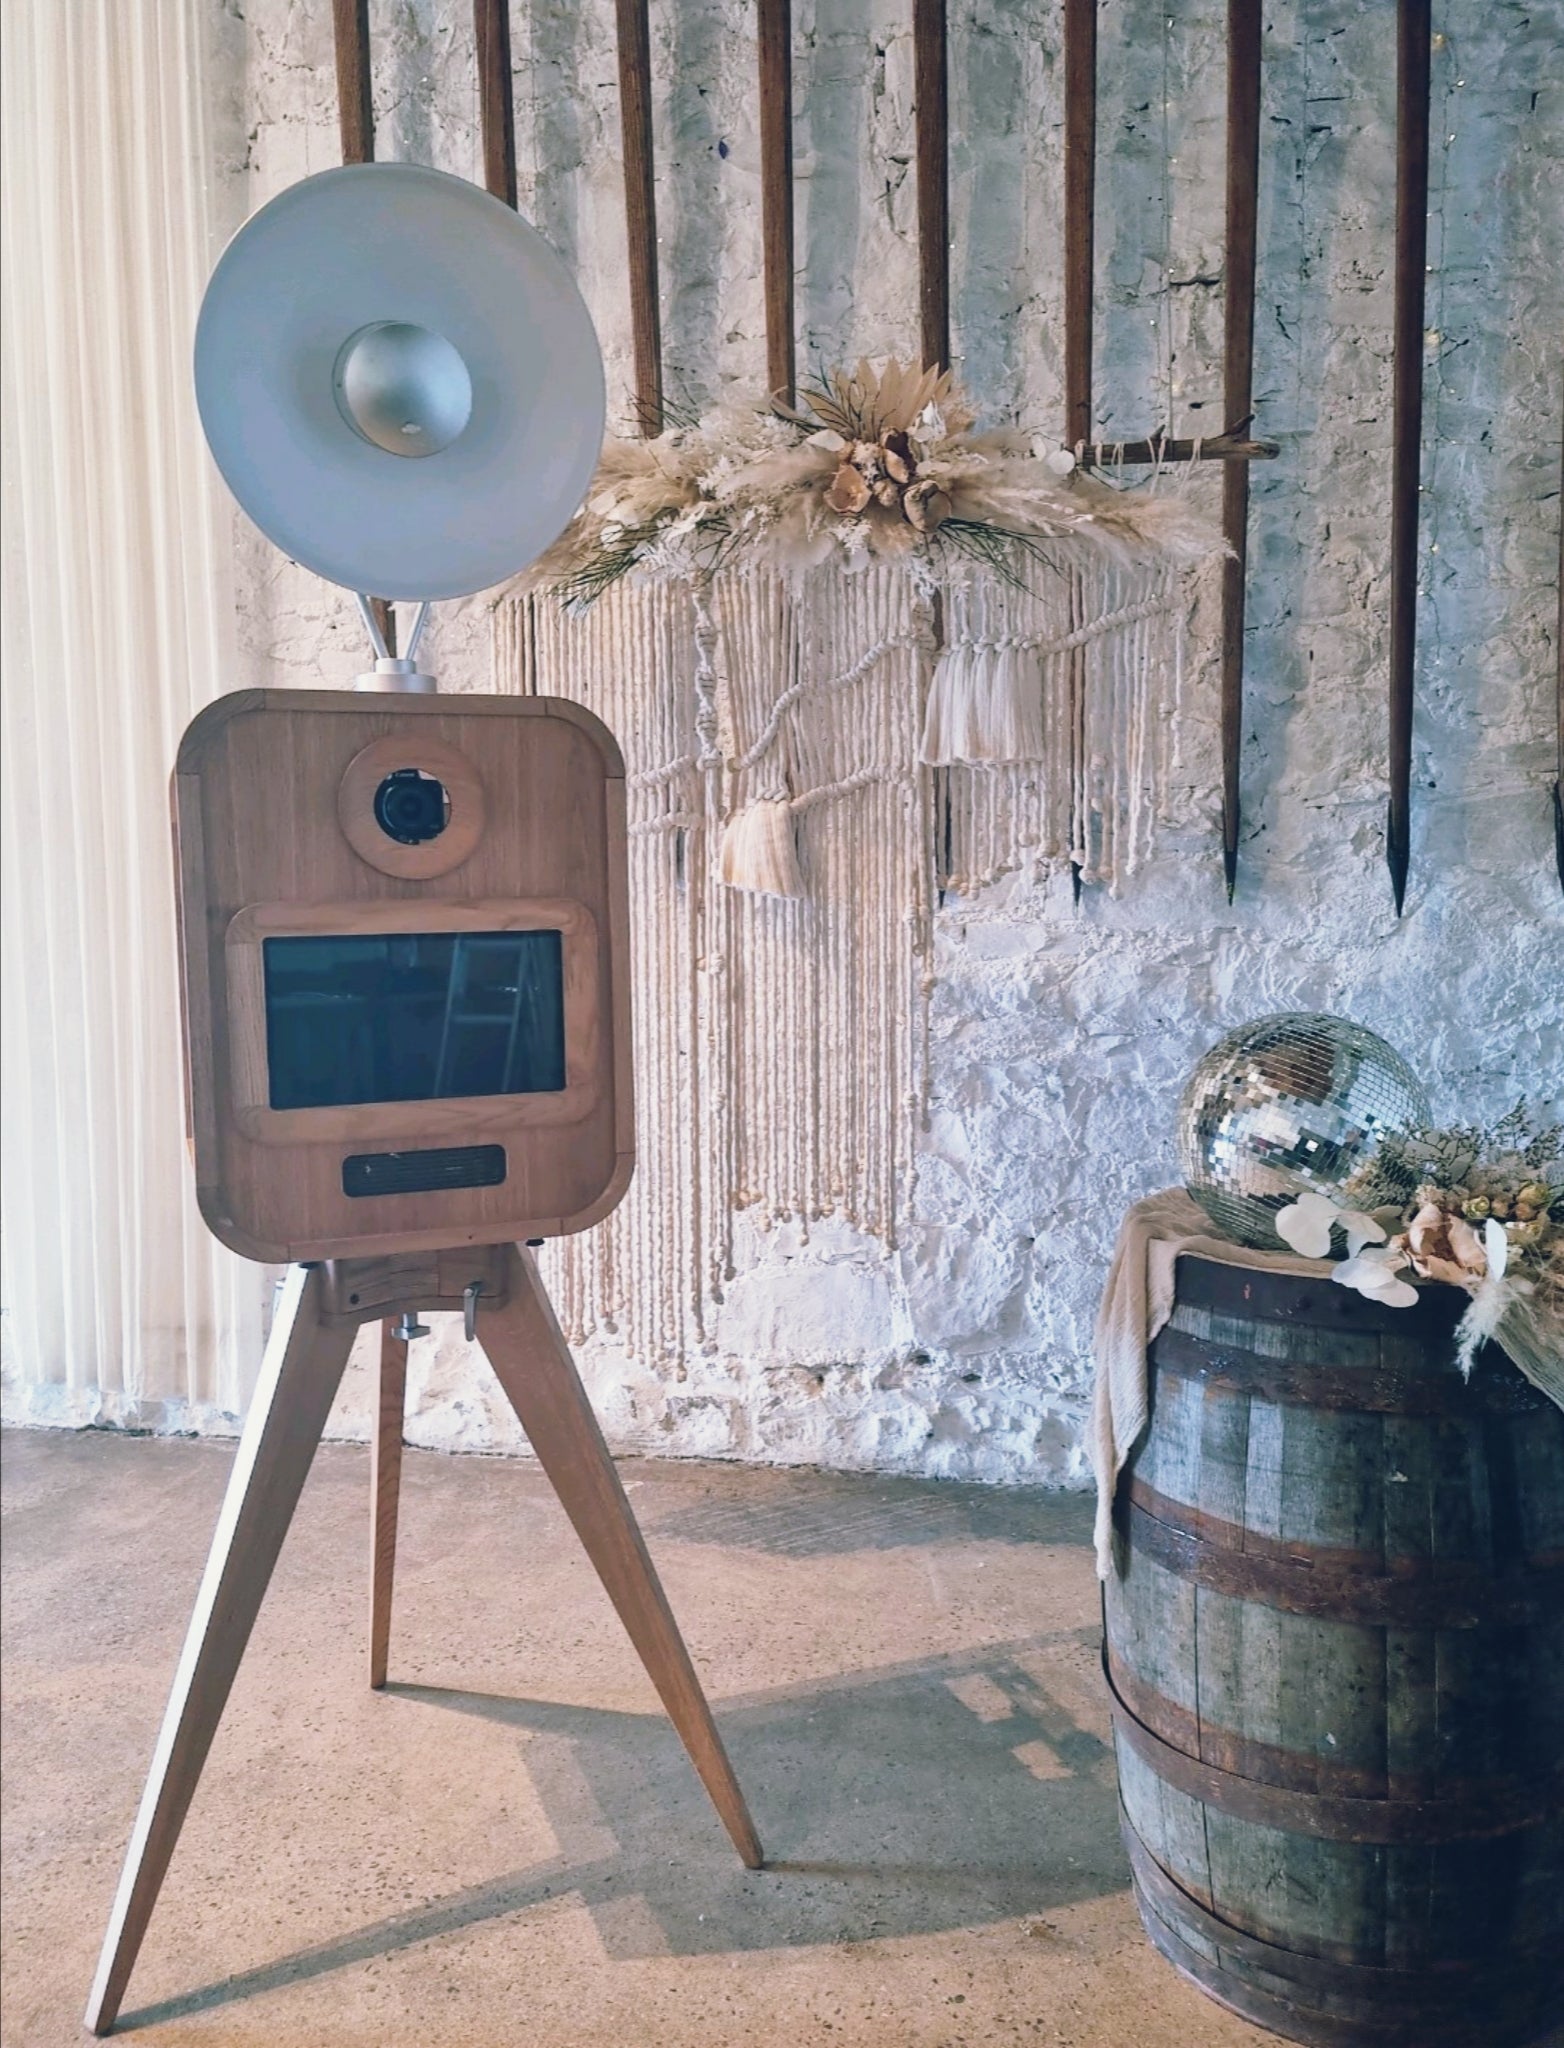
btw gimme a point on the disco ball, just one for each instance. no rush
(1283, 1105)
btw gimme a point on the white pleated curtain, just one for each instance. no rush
(116, 606)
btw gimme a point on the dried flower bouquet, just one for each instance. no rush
(881, 461)
(1478, 1207)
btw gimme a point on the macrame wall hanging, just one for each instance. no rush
(865, 655)
(853, 655)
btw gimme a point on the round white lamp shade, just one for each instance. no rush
(399, 381)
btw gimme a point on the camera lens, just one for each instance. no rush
(411, 807)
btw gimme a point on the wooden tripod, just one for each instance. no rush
(322, 1305)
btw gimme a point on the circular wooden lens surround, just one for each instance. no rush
(370, 840)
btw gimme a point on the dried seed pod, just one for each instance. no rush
(849, 491)
(926, 506)
(896, 455)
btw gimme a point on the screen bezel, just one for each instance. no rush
(416, 1122)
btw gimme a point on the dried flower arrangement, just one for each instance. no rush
(1479, 1207)
(877, 462)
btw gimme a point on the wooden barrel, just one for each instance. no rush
(1335, 1644)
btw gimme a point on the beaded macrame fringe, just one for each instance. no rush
(781, 737)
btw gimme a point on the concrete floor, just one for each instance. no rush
(508, 1847)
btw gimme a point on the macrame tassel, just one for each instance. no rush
(985, 704)
(758, 849)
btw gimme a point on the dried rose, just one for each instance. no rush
(1535, 1193)
(926, 506)
(849, 492)
(887, 492)
(1477, 1210)
(1445, 1247)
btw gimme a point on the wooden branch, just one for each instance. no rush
(635, 112)
(1160, 448)
(1080, 181)
(930, 97)
(1412, 68)
(1243, 174)
(496, 99)
(355, 106)
(776, 194)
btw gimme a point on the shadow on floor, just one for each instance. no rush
(947, 1793)
(838, 1515)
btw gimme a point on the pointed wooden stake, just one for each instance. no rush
(1558, 649)
(1243, 170)
(930, 97)
(635, 113)
(776, 193)
(1412, 68)
(355, 105)
(1080, 182)
(1080, 202)
(496, 99)
(356, 121)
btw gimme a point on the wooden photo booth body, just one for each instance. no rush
(404, 1031)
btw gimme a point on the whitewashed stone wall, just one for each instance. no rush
(1061, 1036)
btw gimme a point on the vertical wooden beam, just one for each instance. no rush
(1080, 190)
(356, 119)
(1412, 72)
(355, 108)
(635, 113)
(930, 95)
(1080, 197)
(1558, 648)
(496, 100)
(1243, 175)
(776, 194)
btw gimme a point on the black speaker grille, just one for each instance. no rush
(423, 1173)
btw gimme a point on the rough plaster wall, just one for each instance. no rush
(1061, 1036)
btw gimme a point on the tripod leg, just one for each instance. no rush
(299, 1376)
(385, 1478)
(529, 1354)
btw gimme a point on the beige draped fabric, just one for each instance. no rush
(115, 617)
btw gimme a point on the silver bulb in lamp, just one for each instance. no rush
(404, 388)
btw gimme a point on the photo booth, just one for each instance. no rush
(403, 918)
